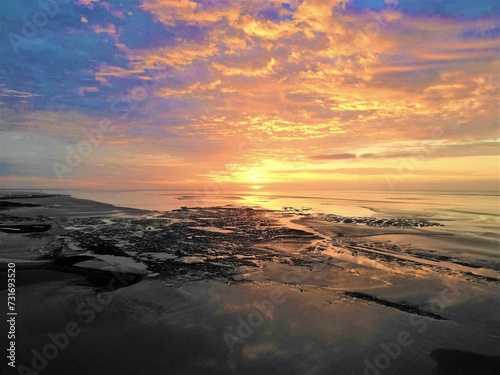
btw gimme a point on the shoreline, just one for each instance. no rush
(359, 229)
(210, 271)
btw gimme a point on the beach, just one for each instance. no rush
(245, 289)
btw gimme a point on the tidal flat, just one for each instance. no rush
(244, 290)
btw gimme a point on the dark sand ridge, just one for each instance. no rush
(207, 283)
(64, 206)
(44, 209)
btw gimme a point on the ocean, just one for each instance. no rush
(477, 211)
(471, 219)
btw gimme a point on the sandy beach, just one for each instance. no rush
(235, 290)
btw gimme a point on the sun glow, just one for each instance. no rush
(255, 176)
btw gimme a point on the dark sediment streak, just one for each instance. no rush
(401, 306)
(68, 265)
(24, 228)
(7, 205)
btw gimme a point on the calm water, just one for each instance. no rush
(476, 212)
(476, 206)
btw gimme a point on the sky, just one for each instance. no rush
(250, 94)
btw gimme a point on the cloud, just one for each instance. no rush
(373, 171)
(319, 82)
(423, 151)
(333, 156)
(248, 72)
(455, 9)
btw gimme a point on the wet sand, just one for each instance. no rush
(231, 290)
